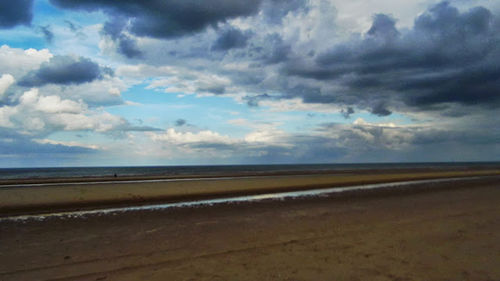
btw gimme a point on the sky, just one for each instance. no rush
(171, 82)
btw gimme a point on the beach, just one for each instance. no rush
(49, 195)
(447, 230)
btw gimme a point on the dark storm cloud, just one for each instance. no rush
(471, 86)
(128, 47)
(65, 70)
(276, 50)
(448, 57)
(381, 110)
(471, 136)
(12, 13)
(383, 26)
(167, 19)
(270, 49)
(231, 38)
(115, 27)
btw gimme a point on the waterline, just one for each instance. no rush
(232, 200)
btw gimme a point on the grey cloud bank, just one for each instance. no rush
(65, 70)
(231, 38)
(448, 57)
(166, 19)
(445, 63)
(12, 13)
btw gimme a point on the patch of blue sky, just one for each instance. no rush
(161, 110)
(55, 19)
(83, 41)
(139, 94)
(291, 122)
(23, 38)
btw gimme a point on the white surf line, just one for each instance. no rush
(236, 199)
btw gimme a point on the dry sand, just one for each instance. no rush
(449, 233)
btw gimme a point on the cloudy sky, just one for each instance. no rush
(175, 82)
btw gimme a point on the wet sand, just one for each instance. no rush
(28, 197)
(448, 232)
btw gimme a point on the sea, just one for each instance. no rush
(167, 171)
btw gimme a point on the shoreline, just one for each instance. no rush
(91, 195)
(365, 190)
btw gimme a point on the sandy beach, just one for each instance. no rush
(51, 195)
(448, 232)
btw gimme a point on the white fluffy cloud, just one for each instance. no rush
(18, 62)
(263, 140)
(30, 116)
(96, 93)
(6, 80)
(36, 114)
(173, 137)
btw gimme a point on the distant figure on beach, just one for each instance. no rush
(116, 175)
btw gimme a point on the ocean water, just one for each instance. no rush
(80, 172)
